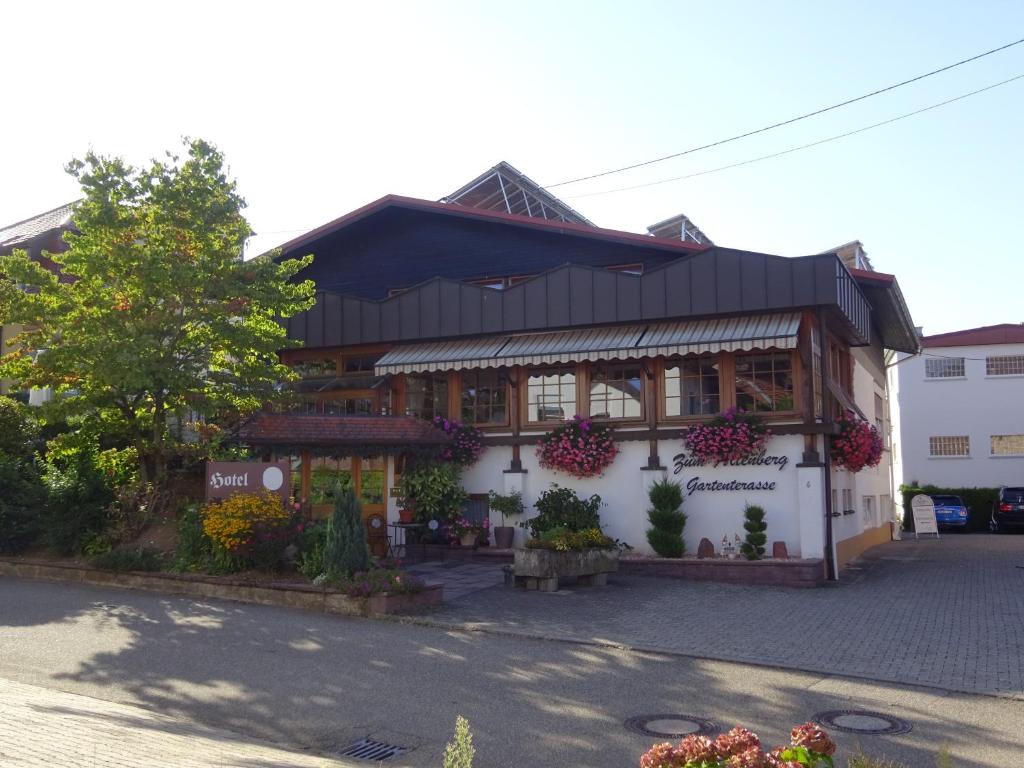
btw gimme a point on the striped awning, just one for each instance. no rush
(614, 343)
(442, 356)
(737, 334)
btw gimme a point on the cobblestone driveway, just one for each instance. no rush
(42, 728)
(946, 613)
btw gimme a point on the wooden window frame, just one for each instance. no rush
(581, 379)
(433, 374)
(641, 363)
(795, 367)
(665, 362)
(455, 395)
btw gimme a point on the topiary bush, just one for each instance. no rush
(667, 519)
(755, 526)
(345, 550)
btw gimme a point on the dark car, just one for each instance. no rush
(951, 512)
(1008, 511)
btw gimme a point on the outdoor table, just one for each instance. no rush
(403, 528)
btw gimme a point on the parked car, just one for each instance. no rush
(951, 512)
(1008, 511)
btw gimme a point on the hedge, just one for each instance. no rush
(978, 500)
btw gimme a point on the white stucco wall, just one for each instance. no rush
(976, 405)
(711, 514)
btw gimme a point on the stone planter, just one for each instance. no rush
(503, 536)
(542, 569)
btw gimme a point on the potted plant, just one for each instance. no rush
(733, 436)
(467, 531)
(508, 505)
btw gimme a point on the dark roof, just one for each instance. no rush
(1004, 333)
(891, 315)
(29, 229)
(707, 283)
(318, 430)
(570, 229)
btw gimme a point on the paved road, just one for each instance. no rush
(946, 613)
(321, 682)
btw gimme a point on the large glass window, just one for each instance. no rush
(1007, 445)
(371, 479)
(616, 391)
(426, 395)
(692, 387)
(949, 445)
(326, 473)
(348, 406)
(551, 395)
(764, 382)
(944, 368)
(359, 365)
(485, 397)
(1004, 365)
(316, 368)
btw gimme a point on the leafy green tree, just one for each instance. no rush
(667, 521)
(154, 314)
(345, 550)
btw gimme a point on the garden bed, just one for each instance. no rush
(280, 593)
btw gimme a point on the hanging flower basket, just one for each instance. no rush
(466, 441)
(733, 436)
(857, 445)
(578, 447)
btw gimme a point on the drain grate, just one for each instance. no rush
(863, 721)
(368, 749)
(670, 726)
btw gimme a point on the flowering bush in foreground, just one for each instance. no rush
(379, 580)
(564, 540)
(809, 747)
(251, 526)
(857, 445)
(732, 436)
(579, 447)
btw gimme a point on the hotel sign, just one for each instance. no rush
(696, 484)
(226, 478)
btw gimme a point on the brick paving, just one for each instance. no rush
(947, 613)
(42, 728)
(460, 578)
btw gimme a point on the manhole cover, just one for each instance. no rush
(368, 749)
(862, 721)
(670, 726)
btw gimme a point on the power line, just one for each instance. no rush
(787, 122)
(802, 146)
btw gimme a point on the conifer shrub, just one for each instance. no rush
(667, 519)
(755, 526)
(345, 549)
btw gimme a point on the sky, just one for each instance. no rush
(321, 108)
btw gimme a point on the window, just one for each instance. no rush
(485, 398)
(868, 509)
(426, 395)
(819, 400)
(316, 368)
(944, 368)
(324, 476)
(551, 395)
(955, 445)
(372, 470)
(359, 365)
(835, 500)
(1007, 445)
(295, 462)
(616, 391)
(348, 406)
(884, 509)
(1004, 365)
(847, 500)
(764, 382)
(691, 387)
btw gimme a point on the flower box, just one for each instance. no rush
(542, 569)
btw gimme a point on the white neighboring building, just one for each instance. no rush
(961, 403)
